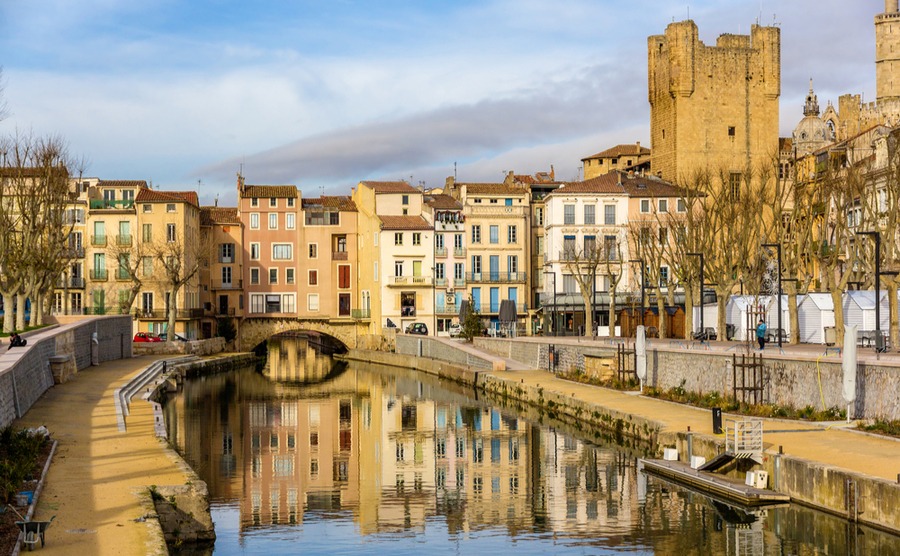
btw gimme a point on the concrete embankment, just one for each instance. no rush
(844, 472)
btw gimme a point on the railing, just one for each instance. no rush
(459, 252)
(440, 282)
(162, 314)
(521, 308)
(459, 282)
(338, 255)
(123, 239)
(98, 310)
(496, 277)
(447, 309)
(231, 285)
(360, 313)
(73, 282)
(123, 274)
(99, 274)
(74, 253)
(413, 280)
(100, 204)
(440, 252)
(98, 241)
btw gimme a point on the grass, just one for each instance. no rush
(27, 329)
(880, 426)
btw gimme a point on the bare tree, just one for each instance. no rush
(586, 263)
(181, 262)
(132, 262)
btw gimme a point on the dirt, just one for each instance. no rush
(9, 531)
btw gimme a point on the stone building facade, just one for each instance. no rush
(713, 107)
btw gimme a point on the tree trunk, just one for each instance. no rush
(37, 310)
(170, 332)
(661, 308)
(721, 302)
(689, 312)
(589, 315)
(20, 311)
(8, 322)
(837, 298)
(893, 325)
(612, 312)
(794, 317)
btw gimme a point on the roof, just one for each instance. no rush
(404, 222)
(822, 301)
(634, 149)
(263, 191)
(219, 215)
(390, 187)
(157, 196)
(622, 183)
(442, 202)
(342, 203)
(122, 183)
(492, 189)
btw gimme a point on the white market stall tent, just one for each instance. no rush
(815, 313)
(859, 310)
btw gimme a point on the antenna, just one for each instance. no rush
(454, 170)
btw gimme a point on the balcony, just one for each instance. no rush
(459, 282)
(447, 309)
(103, 204)
(360, 313)
(72, 282)
(440, 252)
(411, 280)
(459, 252)
(162, 314)
(74, 253)
(123, 275)
(225, 311)
(98, 241)
(440, 282)
(495, 277)
(99, 274)
(490, 308)
(229, 285)
(123, 240)
(338, 255)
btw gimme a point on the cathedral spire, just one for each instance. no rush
(812, 102)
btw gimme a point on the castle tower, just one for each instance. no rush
(713, 108)
(887, 53)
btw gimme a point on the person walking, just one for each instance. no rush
(761, 334)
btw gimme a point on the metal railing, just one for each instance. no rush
(162, 314)
(99, 274)
(73, 282)
(440, 282)
(360, 313)
(413, 280)
(74, 253)
(440, 252)
(338, 255)
(459, 252)
(447, 309)
(231, 285)
(101, 204)
(123, 274)
(521, 308)
(123, 239)
(496, 277)
(98, 241)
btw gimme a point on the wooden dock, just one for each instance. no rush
(716, 485)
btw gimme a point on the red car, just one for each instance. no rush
(146, 337)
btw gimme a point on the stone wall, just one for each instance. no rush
(193, 347)
(425, 346)
(797, 382)
(257, 330)
(25, 371)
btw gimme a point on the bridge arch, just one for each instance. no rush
(255, 331)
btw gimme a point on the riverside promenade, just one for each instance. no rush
(98, 471)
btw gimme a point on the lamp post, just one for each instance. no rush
(643, 283)
(548, 273)
(702, 328)
(777, 246)
(879, 339)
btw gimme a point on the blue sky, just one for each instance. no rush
(323, 94)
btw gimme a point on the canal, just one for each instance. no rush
(317, 457)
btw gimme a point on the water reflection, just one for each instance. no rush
(375, 456)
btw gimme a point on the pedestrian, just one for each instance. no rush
(761, 334)
(16, 341)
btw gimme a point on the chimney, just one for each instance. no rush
(639, 146)
(552, 173)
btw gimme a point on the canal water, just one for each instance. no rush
(313, 457)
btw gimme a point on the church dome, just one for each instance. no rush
(812, 132)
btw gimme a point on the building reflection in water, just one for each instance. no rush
(392, 450)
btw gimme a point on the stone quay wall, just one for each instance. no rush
(791, 381)
(425, 346)
(25, 372)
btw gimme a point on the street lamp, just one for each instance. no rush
(702, 328)
(548, 273)
(879, 339)
(777, 246)
(643, 283)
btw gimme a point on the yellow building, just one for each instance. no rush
(222, 295)
(620, 157)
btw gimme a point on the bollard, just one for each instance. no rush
(717, 420)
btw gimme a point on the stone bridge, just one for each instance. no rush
(259, 329)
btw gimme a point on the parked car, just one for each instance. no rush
(417, 328)
(455, 330)
(146, 337)
(165, 338)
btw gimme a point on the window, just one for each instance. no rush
(663, 205)
(539, 216)
(289, 276)
(494, 233)
(343, 304)
(254, 276)
(731, 131)
(476, 264)
(417, 238)
(170, 207)
(257, 303)
(645, 205)
(226, 275)
(313, 250)
(282, 251)
(457, 241)
(439, 271)
(273, 220)
(568, 214)
(476, 234)
(273, 303)
(405, 199)
(226, 252)
(313, 277)
(398, 238)
(609, 215)
(681, 206)
(170, 232)
(254, 220)
(590, 246)
(568, 248)
(147, 265)
(663, 236)
(148, 208)
(611, 248)
(375, 271)
(512, 265)
(273, 275)
(322, 217)
(512, 234)
(254, 202)
(439, 242)
(254, 251)
(290, 220)
(344, 276)
(147, 302)
(312, 302)
(458, 271)
(734, 181)
(398, 268)
(589, 216)
(569, 284)
(663, 275)
(273, 202)
(290, 202)
(287, 303)
(147, 233)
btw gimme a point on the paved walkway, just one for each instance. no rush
(834, 444)
(97, 470)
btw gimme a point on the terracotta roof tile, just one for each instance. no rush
(621, 183)
(404, 222)
(620, 150)
(493, 189)
(390, 187)
(442, 202)
(263, 191)
(122, 183)
(341, 202)
(219, 215)
(157, 196)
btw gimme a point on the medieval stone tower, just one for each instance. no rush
(887, 53)
(713, 108)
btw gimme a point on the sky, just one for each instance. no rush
(326, 93)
